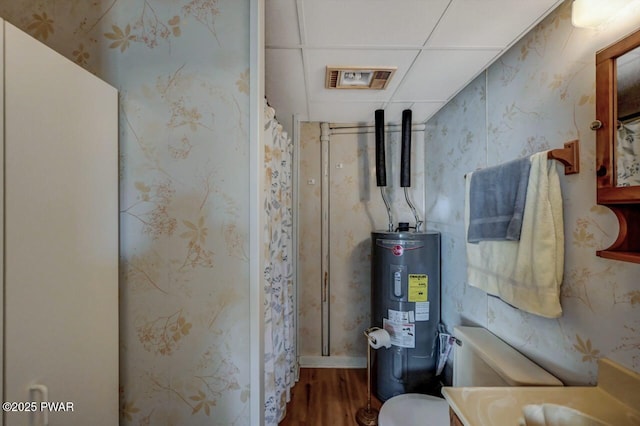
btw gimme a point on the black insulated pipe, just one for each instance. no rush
(405, 156)
(381, 170)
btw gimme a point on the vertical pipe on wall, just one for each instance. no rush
(324, 291)
(381, 167)
(405, 166)
(381, 164)
(405, 156)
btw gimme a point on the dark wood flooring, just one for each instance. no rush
(328, 397)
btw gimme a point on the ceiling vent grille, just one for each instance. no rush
(372, 78)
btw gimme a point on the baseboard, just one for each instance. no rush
(332, 362)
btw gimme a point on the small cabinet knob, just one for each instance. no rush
(602, 170)
(595, 125)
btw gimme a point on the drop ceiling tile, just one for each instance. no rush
(422, 111)
(343, 112)
(281, 23)
(284, 81)
(370, 22)
(437, 75)
(318, 60)
(473, 23)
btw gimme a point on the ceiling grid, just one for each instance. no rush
(438, 47)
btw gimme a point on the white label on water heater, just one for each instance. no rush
(402, 334)
(398, 316)
(422, 311)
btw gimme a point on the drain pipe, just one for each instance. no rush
(405, 164)
(381, 166)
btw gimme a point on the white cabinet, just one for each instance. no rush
(60, 236)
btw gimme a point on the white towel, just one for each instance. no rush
(556, 415)
(526, 274)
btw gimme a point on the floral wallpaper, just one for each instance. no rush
(181, 67)
(356, 209)
(537, 96)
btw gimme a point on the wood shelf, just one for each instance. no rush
(625, 256)
(627, 245)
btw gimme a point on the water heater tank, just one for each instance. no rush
(405, 299)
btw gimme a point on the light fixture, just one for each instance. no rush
(375, 78)
(596, 13)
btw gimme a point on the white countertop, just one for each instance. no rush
(616, 399)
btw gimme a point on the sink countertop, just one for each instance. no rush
(615, 400)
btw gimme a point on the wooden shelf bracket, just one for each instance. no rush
(569, 156)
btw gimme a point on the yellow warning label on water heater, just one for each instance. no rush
(418, 287)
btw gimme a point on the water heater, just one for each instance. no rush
(405, 299)
(405, 288)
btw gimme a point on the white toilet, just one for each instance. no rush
(481, 360)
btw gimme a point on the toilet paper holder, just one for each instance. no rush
(378, 337)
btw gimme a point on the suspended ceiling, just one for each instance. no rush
(438, 47)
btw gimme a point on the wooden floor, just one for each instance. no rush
(328, 397)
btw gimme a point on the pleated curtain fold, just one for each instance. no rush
(279, 325)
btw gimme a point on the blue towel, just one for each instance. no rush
(496, 201)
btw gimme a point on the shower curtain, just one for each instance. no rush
(279, 327)
(628, 153)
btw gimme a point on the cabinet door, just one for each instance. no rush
(61, 235)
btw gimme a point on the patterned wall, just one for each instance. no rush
(539, 95)
(356, 209)
(181, 67)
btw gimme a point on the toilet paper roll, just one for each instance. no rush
(379, 338)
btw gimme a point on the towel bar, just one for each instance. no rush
(569, 156)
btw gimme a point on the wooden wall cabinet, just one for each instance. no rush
(624, 201)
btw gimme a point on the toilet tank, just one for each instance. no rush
(482, 359)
